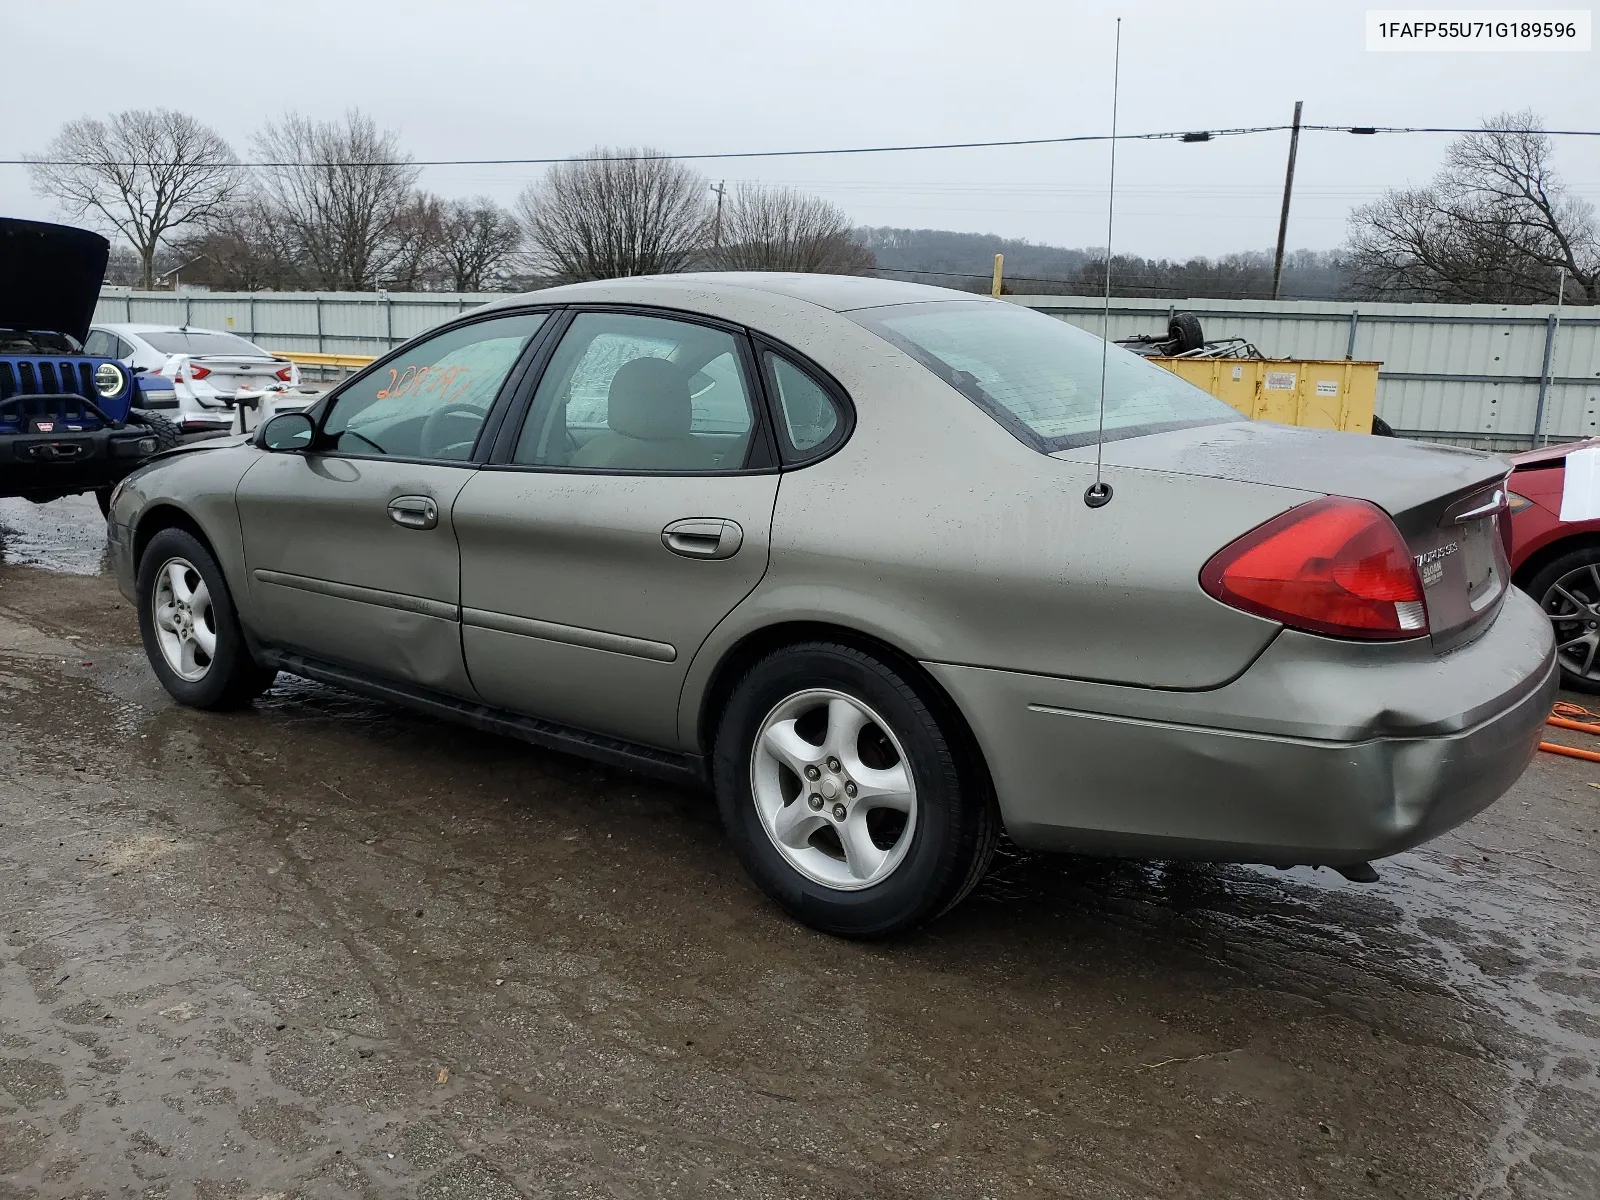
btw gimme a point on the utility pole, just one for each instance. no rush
(716, 227)
(1288, 190)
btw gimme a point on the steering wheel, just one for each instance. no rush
(434, 440)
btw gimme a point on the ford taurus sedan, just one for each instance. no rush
(837, 548)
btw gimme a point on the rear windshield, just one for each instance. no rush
(1039, 376)
(196, 341)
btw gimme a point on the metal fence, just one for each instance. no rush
(1494, 376)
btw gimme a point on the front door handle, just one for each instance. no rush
(414, 512)
(703, 537)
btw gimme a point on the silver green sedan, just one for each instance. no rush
(835, 547)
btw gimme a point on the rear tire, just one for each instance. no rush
(1577, 573)
(190, 628)
(897, 824)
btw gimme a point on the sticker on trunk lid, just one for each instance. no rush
(1430, 564)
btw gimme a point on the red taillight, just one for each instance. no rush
(1335, 565)
(196, 371)
(286, 374)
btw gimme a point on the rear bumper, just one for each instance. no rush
(1107, 770)
(66, 463)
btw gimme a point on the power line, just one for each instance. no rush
(1182, 135)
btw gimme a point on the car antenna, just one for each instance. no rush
(1098, 493)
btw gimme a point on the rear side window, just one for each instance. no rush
(628, 392)
(810, 418)
(1039, 376)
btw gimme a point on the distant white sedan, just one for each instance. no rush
(208, 368)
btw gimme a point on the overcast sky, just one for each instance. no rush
(498, 78)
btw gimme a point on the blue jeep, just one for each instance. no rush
(67, 419)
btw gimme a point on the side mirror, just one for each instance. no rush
(287, 431)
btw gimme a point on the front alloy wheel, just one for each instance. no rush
(186, 624)
(834, 789)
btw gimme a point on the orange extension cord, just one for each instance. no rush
(1561, 717)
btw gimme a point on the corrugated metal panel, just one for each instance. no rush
(1467, 371)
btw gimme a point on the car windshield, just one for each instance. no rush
(202, 341)
(1039, 376)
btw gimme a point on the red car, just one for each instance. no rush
(1558, 562)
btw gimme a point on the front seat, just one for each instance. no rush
(648, 413)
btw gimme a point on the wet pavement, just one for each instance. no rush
(327, 948)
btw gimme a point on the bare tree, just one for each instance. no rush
(782, 229)
(612, 214)
(418, 233)
(480, 240)
(143, 172)
(337, 193)
(239, 249)
(1495, 225)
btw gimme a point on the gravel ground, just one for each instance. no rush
(327, 948)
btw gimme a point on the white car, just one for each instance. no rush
(210, 370)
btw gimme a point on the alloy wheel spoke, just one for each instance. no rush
(178, 581)
(1594, 573)
(861, 854)
(205, 638)
(786, 745)
(1582, 639)
(200, 600)
(1588, 661)
(845, 722)
(795, 823)
(888, 788)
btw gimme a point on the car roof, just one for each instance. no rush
(838, 293)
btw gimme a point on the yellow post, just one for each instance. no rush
(999, 261)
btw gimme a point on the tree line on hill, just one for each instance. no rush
(335, 205)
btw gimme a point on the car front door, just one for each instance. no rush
(350, 546)
(626, 515)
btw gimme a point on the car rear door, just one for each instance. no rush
(350, 546)
(617, 524)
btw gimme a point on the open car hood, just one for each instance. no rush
(50, 276)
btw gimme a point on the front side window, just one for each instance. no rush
(431, 401)
(636, 393)
(1039, 376)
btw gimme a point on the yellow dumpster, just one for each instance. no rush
(1322, 394)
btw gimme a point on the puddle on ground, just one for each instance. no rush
(66, 535)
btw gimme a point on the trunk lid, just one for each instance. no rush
(228, 372)
(1446, 501)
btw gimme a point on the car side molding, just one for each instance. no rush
(668, 765)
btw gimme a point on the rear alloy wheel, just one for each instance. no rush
(190, 630)
(853, 802)
(1568, 590)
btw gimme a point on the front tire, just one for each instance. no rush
(190, 628)
(852, 801)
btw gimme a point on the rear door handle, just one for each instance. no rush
(414, 512)
(703, 537)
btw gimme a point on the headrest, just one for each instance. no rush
(649, 400)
